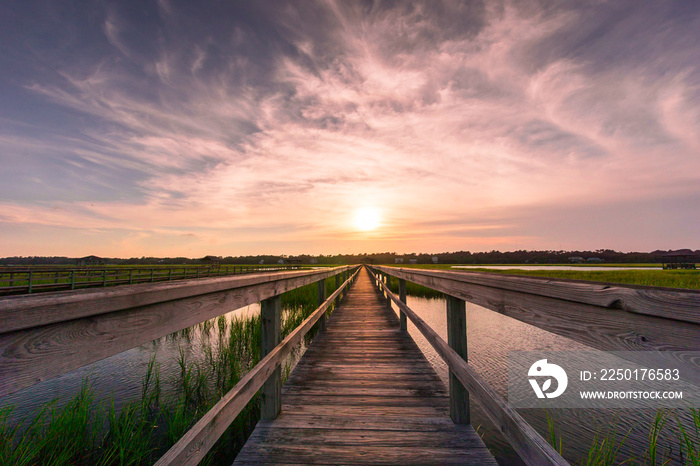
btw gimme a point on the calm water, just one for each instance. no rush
(490, 336)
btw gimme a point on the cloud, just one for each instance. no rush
(255, 118)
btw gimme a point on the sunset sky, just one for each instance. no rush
(166, 128)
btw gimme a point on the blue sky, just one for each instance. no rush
(172, 128)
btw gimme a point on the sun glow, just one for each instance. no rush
(367, 219)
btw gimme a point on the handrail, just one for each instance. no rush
(670, 303)
(46, 335)
(36, 279)
(608, 317)
(192, 446)
(532, 448)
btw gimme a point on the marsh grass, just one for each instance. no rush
(414, 289)
(605, 447)
(689, 437)
(90, 431)
(688, 279)
(558, 446)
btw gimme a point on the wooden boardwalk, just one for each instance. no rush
(363, 393)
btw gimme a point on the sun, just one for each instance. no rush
(367, 219)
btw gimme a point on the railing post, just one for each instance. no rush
(337, 285)
(321, 299)
(457, 339)
(271, 335)
(104, 277)
(131, 276)
(388, 286)
(72, 279)
(402, 296)
(29, 277)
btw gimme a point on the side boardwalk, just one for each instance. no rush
(363, 393)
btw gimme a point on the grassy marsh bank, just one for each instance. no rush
(688, 279)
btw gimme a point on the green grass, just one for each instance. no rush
(414, 289)
(90, 431)
(605, 447)
(688, 279)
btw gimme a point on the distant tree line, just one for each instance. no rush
(459, 257)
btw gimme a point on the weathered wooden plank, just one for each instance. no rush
(357, 454)
(395, 423)
(532, 448)
(365, 401)
(35, 354)
(338, 378)
(451, 439)
(378, 368)
(362, 391)
(604, 328)
(376, 408)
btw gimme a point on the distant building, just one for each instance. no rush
(281, 261)
(413, 261)
(679, 260)
(314, 261)
(262, 261)
(595, 259)
(577, 260)
(211, 260)
(398, 260)
(89, 260)
(435, 259)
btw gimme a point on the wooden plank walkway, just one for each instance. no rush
(363, 393)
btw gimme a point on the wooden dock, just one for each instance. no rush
(363, 393)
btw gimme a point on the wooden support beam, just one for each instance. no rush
(457, 339)
(402, 296)
(321, 299)
(271, 335)
(337, 285)
(388, 286)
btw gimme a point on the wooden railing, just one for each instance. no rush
(46, 335)
(16, 280)
(604, 316)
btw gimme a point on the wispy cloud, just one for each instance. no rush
(453, 117)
